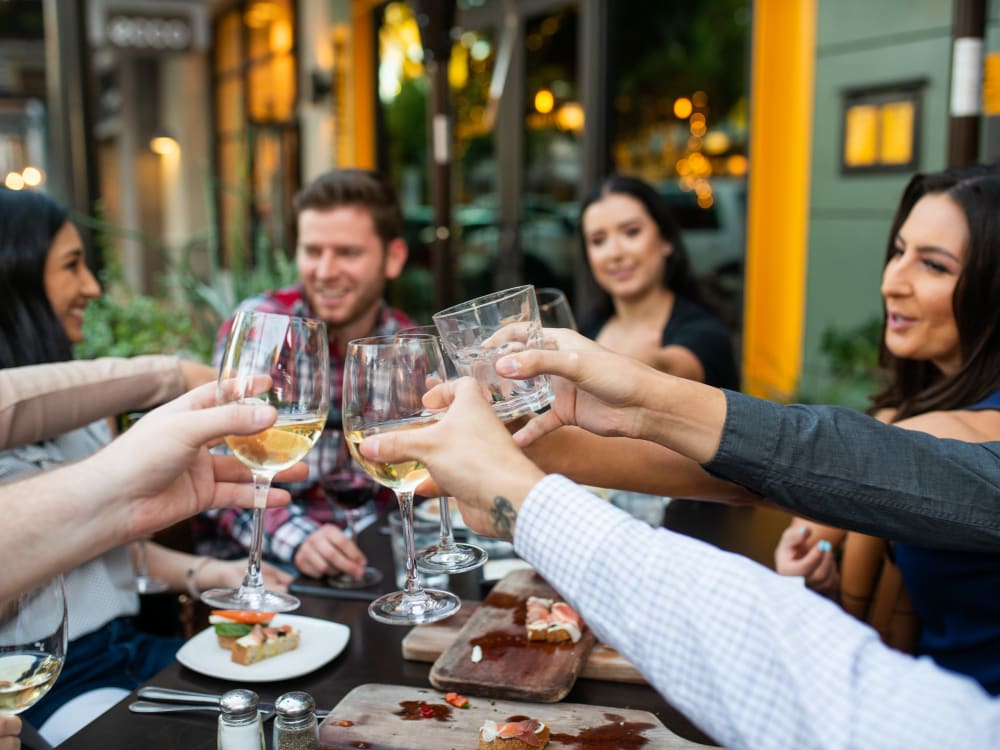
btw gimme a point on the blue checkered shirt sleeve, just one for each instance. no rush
(754, 659)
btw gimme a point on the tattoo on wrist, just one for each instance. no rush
(504, 515)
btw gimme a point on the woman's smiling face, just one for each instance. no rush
(69, 284)
(626, 252)
(918, 283)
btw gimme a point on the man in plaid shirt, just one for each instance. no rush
(349, 244)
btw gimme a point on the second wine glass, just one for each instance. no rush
(447, 556)
(385, 379)
(283, 361)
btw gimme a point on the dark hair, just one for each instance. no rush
(355, 187)
(677, 276)
(917, 387)
(30, 332)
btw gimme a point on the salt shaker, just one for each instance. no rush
(240, 726)
(295, 725)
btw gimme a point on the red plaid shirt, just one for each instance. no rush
(227, 533)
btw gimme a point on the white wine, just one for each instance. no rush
(404, 476)
(24, 678)
(277, 447)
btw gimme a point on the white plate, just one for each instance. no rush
(428, 511)
(321, 642)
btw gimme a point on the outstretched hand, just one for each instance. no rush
(594, 388)
(470, 455)
(162, 467)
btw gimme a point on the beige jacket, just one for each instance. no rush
(42, 401)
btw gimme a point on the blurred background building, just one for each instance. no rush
(781, 131)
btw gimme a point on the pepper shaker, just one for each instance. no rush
(295, 726)
(240, 726)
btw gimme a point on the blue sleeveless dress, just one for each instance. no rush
(957, 596)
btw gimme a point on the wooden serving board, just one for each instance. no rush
(512, 667)
(388, 717)
(428, 642)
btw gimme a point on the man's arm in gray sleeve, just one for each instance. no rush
(845, 468)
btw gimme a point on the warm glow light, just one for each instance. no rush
(682, 108)
(736, 165)
(896, 120)
(570, 117)
(14, 181)
(716, 142)
(164, 145)
(699, 99)
(544, 101)
(280, 37)
(861, 135)
(32, 176)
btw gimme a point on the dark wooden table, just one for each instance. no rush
(374, 651)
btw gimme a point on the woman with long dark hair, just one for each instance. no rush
(45, 286)
(651, 308)
(941, 349)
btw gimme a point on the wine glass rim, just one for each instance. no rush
(486, 299)
(297, 318)
(554, 293)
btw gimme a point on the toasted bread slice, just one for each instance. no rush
(524, 735)
(264, 643)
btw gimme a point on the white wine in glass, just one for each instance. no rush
(283, 361)
(385, 379)
(33, 639)
(447, 556)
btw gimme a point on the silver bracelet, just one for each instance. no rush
(189, 577)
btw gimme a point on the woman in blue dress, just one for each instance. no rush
(941, 350)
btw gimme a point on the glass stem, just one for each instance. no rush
(413, 586)
(142, 567)
(253, 581)
(447, 542)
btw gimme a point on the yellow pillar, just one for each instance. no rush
(781, 91)
(364, 86)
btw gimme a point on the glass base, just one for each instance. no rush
(460, 558)
(254, 601)
(400, 608)
(145, 585)
(370, 577)
(525, 404)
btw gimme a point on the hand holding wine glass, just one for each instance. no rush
(385, 379)
(293, 356)
(33, 640)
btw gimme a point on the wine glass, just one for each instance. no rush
(554, 309)
(346, 485)
(283, 361)
(447, 556)
(33, 639)
(385, 379)
(142, 582)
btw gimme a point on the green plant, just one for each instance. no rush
(851, 372)
(189, 306)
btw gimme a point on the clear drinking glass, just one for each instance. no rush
(283, 361)
(33, 640)
(347, 486)
(385, 379)
(447, 556)
(478, 332)
(554, 309)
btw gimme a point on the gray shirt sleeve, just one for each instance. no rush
(845, 468)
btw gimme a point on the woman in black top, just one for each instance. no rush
(651, 310)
